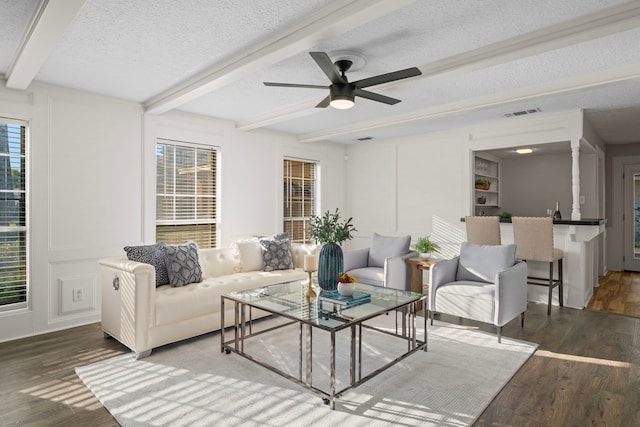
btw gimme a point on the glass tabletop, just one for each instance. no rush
(327, 309)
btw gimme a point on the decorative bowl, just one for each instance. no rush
(346, 289)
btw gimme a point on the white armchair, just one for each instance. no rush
(485, 283)
(383, 264)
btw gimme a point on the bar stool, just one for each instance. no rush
(534, 239)
(483, 230)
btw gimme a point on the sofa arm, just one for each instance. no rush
(397, 273)
(441, 273)
(355, 259)
(299, 250)
(511, 293)
(128, 301)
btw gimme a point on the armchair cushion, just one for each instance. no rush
(355, 259)
(370, 275)
(481, 263)
(383, 247)
(476, 300)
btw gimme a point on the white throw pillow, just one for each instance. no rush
(249, 254)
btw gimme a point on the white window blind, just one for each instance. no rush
(300, 198)
(13, 216)
(186, 194)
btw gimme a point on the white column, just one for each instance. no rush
(575, 179)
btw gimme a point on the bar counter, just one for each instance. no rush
(580, 241)
(584, 221)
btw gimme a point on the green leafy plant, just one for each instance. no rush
(330, 228)
(425, 246)
(505, 215)
(483, 184)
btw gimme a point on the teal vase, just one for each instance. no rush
(330, 265)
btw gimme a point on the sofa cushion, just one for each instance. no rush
(249, 254)
(383, 247)
(276, 254)
(200, 299)
(481, 263)
(151, 254)
(183, 265)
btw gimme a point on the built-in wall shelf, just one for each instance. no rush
(486, 170)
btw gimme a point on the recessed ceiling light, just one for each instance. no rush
(524, 150)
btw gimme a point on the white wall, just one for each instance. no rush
(399, 186)
(92, 164)
(85, 191)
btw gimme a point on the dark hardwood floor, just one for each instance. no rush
(586, 372)
(618, 292)
(39, 385)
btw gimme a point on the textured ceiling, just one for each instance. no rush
(480, 60)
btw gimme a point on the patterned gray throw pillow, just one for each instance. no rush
(276, 254)
(183, 264)
(151, 254)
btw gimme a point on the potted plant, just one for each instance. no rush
(482, 184)
(425, 246)
(505, 215)
(346, 284)
(330, 230)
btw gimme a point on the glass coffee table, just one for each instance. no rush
(326, 312)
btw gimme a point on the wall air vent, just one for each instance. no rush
(522, 113)
(365, 138)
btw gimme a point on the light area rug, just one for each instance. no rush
(192, 383)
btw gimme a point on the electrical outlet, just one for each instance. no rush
(78, 295)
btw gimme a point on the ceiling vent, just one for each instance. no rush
(522, 113)
(365, 138)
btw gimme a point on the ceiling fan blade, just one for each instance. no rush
(376, 97)
(324, 103)
(388, 77)
(295, 85)
(324, 62)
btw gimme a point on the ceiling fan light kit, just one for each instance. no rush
(342, 93)
(342, 96)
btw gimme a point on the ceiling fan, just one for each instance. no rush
(342, 92)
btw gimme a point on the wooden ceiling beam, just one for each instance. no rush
(50, 20)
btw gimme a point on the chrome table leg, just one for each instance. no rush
(309, 363)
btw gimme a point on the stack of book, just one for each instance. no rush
(333, 300)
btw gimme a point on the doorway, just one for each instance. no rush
(631, 188)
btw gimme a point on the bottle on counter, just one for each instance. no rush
(557, 216)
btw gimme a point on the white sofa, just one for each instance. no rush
(143, 316)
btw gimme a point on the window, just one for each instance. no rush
(186, 193)
(13, 215)
(300, 198)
